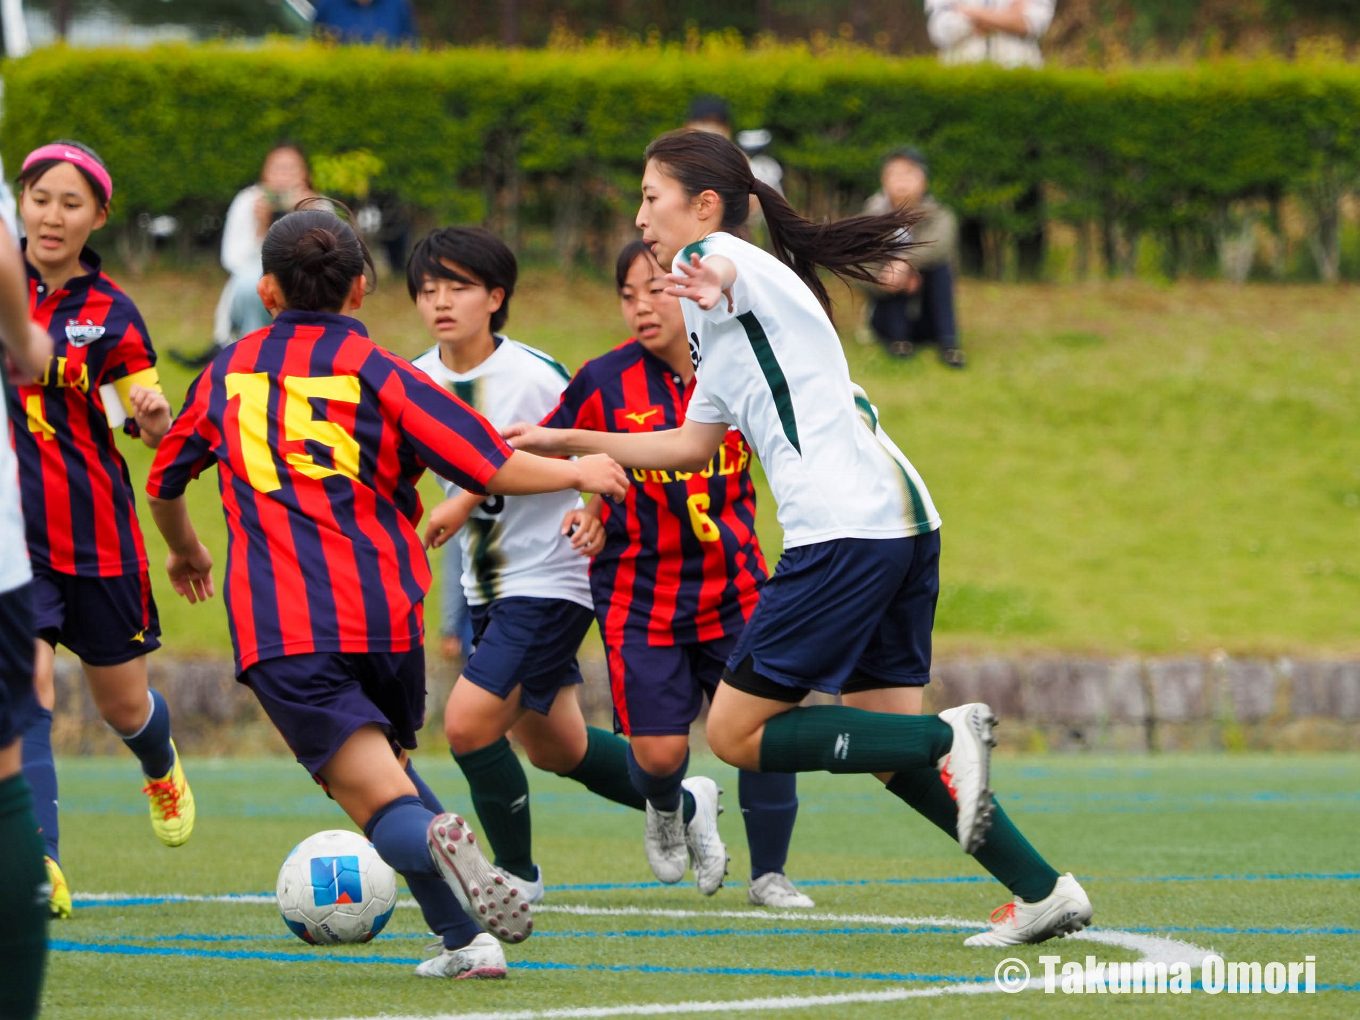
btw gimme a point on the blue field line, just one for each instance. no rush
(699, 933)
(1300, 876)
(66, 946)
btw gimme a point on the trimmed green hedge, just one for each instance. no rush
(455, 131)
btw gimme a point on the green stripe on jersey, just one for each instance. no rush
(866, 412)
(918, 505)
(561, 368)
(699, 247)
(466, 391)
(774, 375)
(487, 560)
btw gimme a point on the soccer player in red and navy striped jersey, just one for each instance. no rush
(676, 582)
(319, 437)
(91, 590)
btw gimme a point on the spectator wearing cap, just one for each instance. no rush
(914, 300)
(711, 113)
(388, 22)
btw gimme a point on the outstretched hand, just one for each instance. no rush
(699, 281)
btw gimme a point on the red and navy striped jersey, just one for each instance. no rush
(319, 436)
(78, 499)
(681, 562)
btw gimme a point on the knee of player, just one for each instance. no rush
(466, 735)
(723, 739)
(660, 758)
(550, 757)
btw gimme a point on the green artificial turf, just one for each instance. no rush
(1244, 855)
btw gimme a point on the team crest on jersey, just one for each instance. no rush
(82, 334)
(694, 349)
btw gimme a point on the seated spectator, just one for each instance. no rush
(285, 180)
(914, 301)
(1001, 32)
(388, 22)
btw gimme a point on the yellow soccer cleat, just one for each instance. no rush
(59, 900)
(172, 804)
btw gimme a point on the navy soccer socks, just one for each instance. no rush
(663, 792)
(769, 808)
(151, 743)
(500, 796)
(604, 770)
(398, 831)
(23, 908)
(40, 771)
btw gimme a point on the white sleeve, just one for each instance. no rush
(704, 407)
(1038, 16)
(240, 243)
(946, 26)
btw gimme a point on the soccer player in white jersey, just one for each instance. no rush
(525, 576)
(24, 888)
(850, 607)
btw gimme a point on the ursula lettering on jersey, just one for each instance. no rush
(731, 458)
(68, 374)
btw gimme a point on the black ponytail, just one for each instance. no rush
(852, 248)
(316, 256)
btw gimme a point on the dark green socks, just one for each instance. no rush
(1006, 854)
(832, 738)
(500, 796)
(604, 769)
(23, 908)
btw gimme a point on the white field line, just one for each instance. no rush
(887, 920)
(731, 1006)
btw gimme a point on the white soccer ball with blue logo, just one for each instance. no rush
(333, 887)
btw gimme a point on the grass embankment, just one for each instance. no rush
(1122, 468)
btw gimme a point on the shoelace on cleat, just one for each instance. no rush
(1003, 913)
(166, 796)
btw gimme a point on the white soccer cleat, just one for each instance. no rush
(665, 844)
(707, 853)
(774, 889)
(533, 891)
(966, 771)
(480, 958)
(496, 904)
(1063, 911)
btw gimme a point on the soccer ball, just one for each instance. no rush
(333, 887)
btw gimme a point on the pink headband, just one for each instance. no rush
(70, 154)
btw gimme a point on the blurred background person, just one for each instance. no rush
(388, 22)
(914, 300)
(1001, 32)
(1005, 33)
(711, 113)
(285, 180)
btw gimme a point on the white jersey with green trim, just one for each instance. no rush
(512, 545)
(772, 366)
(14, 567)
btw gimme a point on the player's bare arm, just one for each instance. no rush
(526, 474)
(189, 563)
(688, 448)
(27, 344)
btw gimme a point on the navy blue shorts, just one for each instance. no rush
(16, 663)
(840, 616)
(659, 689)
(105, 621)
(317, 700)
(527, 643)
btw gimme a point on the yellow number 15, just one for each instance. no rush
(298, 425)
